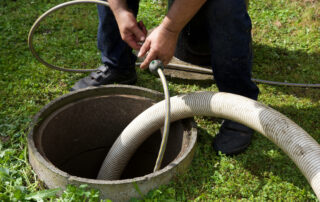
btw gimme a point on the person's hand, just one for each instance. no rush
(131, 32)
(160, 44)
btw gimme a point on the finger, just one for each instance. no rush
(139, 35)
(144, 49)
(165, 62)
(151, 56)
(143, 27)
(133, 44)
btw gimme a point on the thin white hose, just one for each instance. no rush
(166, 127)
(291, 138)
(42, 17)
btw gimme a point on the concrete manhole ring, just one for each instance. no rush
(71, 136)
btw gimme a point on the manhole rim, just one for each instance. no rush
(52, 168)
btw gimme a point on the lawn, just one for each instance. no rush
(286, 43)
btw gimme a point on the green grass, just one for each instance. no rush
(286, 35)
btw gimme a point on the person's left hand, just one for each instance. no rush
(160, 44)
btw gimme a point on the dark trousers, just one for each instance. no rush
(114, 52)
(229, 27)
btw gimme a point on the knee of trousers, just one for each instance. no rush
(236, 78)
(224, 9)
(229, 17)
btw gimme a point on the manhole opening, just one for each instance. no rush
(77, 137)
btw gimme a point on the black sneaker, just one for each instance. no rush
(233, 138)
(106, 75)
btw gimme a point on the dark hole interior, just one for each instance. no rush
(77, 137)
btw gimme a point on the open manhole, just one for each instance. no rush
(72, 135)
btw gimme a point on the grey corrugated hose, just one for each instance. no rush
(291, 138)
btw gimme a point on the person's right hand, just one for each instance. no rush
(131, 31)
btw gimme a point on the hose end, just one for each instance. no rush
(154, 65)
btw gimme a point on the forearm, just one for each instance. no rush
(180, 14)
(131, 31)
(118, 5)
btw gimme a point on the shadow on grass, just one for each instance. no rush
(280, 64)
(286, 65)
